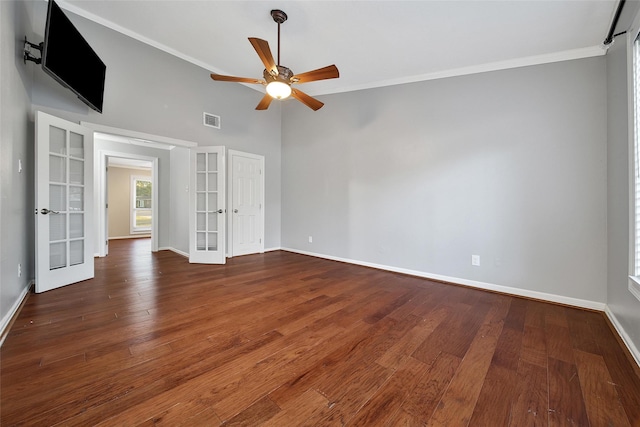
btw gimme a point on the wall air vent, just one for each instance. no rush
(211, 120)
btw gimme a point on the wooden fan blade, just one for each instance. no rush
(264, 102)
(264, 52)
(329, 72)
(307, 100)
(221, 78)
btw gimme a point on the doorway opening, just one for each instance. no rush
(130, 208)
(129, 193)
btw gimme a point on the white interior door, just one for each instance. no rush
(247, 200)
(207, 206)
(64, 201)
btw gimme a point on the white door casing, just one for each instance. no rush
(207, 206)
(246, 175)
(64, 202)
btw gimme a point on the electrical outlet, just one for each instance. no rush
(310, 239)
(19, 270)
(475, 260)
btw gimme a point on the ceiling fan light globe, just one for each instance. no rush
(278, 90)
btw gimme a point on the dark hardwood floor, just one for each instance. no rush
(282, 339)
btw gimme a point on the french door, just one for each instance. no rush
(64, 202)
(207, 206)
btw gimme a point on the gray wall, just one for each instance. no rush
(509, 165)
(624, 306)
(179, 222)
(16, 143)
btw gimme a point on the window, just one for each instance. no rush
(141, 211)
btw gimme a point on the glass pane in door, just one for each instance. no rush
(57, 140)
(213, 181)
(57, 168)
(57, 255)
(57, 197)
(212, 241)
(66, 195)
(76, 171)
(76, 225)
(206, 188)
(76, 198)
(57, 227)
(212, 162)
(201, 162)
(213, 221)
(76, 252)
(201, 241)
(201, 221)
(76, 145)
(200, 182)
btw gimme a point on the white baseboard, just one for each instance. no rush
(576, 302)
(623, 334)
(7, 318)
(133, 236)
(179, 252)
(272, 249)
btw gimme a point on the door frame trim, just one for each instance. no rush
(142, 136)
(230, 185)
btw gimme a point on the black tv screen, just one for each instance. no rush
(68, 58)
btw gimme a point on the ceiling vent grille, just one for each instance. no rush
(211, 120)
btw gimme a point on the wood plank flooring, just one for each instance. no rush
(282, 339)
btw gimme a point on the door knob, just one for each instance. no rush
(48, 211)
(235, 211)
(219, 211)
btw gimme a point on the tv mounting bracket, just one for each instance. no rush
(27, 56)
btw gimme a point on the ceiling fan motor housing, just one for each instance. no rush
(284, 75)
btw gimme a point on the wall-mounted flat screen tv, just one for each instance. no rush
(68, 58)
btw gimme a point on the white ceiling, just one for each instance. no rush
(373, 43)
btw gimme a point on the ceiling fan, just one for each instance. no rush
(279, 79)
